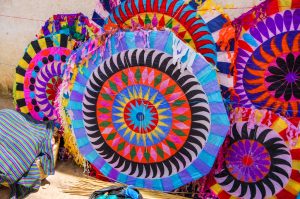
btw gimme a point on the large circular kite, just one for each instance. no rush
(38, 75)
(268, 64)
(258, 163)
(146, 118)
(143, 111)
(176, 15)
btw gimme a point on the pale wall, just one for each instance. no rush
(16, 33)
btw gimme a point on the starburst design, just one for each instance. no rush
(142, 114)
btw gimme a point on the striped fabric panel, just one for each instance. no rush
(22, 140)
(215, 22)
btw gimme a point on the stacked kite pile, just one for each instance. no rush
(40, 71)
(149, 97)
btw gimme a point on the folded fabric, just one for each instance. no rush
(22, 142)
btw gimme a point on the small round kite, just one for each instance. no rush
(176, 15)
(39, 73)
(259, 163)
(268, 64)
(148, 112)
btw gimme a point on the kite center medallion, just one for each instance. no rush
(52, 88)
(250, 165)
(140, 116)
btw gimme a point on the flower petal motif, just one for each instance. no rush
(280, 91)
(276, 71)
(281, 63)
(274, 78)
(284, 84)
(50, 85)
(49, 91)
(274, 86)
(288, 92)
(52, 88)
(251, 162)
(54, 82)
(290, 60)
(51, 98)
(296, 89)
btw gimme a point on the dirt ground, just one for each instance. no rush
(65, 172)
(51, 188)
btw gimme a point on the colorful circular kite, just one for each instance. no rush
(268, 64)
(176, 15)
(144, 114)
(142, 117)
(258, 163)
(38, 75)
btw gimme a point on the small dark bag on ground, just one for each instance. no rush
(117, 192)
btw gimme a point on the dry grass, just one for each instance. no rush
(86, 186)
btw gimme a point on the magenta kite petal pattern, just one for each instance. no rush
(267, 62)
(39, 74)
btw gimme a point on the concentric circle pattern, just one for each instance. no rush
(140, 116)
(144, 113)
(43, 69)
(268, 64)
(144, 116)
(258, 163)
(39, 75)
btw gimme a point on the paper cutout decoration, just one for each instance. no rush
(216, 20)
(223, 34)
(146, 115)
